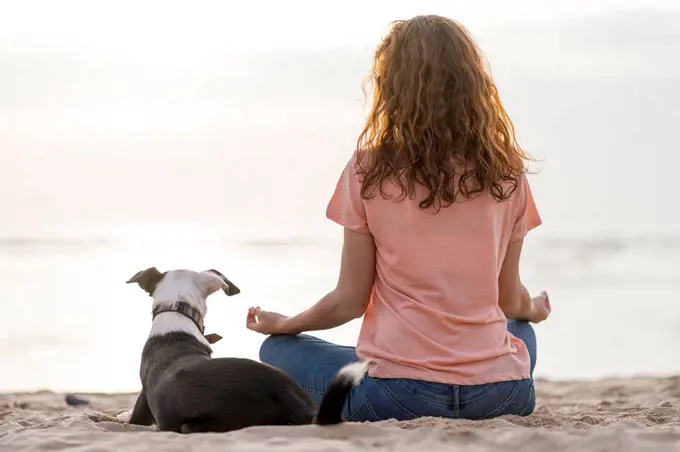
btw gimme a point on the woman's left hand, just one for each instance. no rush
(266, 322)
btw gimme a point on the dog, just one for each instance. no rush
(185, 390)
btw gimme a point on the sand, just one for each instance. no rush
(636, 414)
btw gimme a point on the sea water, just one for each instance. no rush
(69, 321)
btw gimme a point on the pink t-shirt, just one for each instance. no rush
(434, 311)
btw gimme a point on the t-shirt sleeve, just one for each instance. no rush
(527, 217)
(346, 207)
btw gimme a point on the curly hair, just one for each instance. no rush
(436, 118)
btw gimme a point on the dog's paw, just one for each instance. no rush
(98, 417)
(124, 417)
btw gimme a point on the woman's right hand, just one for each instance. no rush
(266, 322)
(540, 308)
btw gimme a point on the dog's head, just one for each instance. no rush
(173, 286)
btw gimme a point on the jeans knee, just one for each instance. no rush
(271, 347)
(520, 326)
(267, 349)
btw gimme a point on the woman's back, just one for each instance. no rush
(434, 205)
(434, 312)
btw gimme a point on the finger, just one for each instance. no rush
(254, 326)
(252, 322)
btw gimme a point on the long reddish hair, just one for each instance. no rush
(436, 118)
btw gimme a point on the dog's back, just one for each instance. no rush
(190, 392)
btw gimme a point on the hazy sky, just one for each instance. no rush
(166, 30)
(133, 110)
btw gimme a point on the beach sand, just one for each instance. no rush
(636, 414)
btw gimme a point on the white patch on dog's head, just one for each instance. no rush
(188, 286)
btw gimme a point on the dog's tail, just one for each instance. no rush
(333, 402)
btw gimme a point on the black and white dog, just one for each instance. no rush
(184, 390)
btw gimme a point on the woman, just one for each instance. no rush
(435, 205)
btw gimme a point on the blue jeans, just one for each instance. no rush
(312, 363)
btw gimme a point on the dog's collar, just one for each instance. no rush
(192, 313)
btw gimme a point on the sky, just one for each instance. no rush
(118, 111)
(179, 32)
(163, 30)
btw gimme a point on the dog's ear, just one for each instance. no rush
(147, 279)
(223, 283)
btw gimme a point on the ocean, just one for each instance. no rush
(69, 321)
